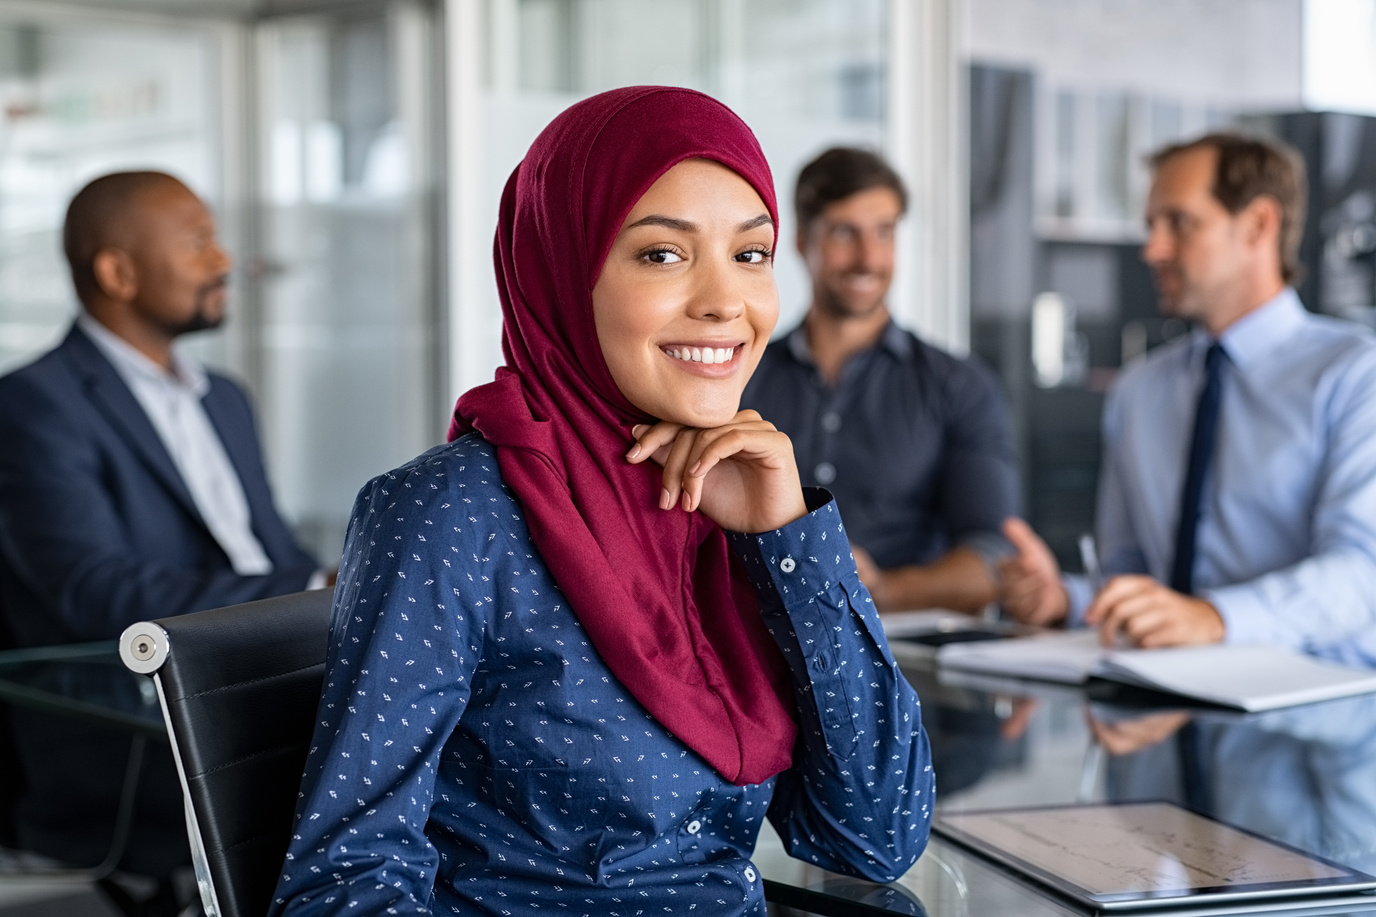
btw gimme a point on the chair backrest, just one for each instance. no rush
(239, 689)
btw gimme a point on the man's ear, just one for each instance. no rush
(115, 274)
(800, 240)
(1262, 220)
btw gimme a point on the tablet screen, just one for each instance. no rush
(1134, 853)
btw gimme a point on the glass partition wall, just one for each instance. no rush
(348, 312)
(80, 95)
(313, 140)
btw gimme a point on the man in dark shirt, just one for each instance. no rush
(913, 441)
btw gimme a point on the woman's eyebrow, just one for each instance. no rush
(680, 225)
(655, 219)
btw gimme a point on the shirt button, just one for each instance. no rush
(749, 874)
(788, 565)
(694, 826)
(825, 473)
(831, 421)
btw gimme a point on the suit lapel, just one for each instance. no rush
(113, 399)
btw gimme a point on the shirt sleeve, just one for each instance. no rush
(404, 644)
(979, 471)
(860, 794)
(1326, 603)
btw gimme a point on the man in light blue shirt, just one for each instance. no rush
(1284, 550)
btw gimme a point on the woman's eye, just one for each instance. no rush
(662, 256)
(755, 256)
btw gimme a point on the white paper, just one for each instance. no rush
(1247, 678)
(1065, 656)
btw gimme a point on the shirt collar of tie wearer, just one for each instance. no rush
(1258, 333)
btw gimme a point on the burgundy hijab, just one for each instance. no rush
(657, 591)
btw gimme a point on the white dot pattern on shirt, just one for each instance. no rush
(474, 754)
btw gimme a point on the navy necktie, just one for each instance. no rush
(1201, 455)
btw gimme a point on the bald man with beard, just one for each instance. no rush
(131, 486)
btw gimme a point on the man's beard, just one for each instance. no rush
(836, 305)
(202, 319)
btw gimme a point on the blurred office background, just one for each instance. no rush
(354, 151)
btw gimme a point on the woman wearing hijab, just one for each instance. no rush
(562, 678)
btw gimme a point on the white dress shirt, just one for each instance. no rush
(172, 401)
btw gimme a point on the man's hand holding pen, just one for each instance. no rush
(1149, 614)
(1135, 609)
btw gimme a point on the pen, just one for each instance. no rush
(1089, 559)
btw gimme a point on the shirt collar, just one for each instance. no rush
(894, 340)
(131, 365)
(1268, 326)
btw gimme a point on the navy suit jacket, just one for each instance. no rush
(97, 528)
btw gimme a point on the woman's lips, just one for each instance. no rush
(706, 355)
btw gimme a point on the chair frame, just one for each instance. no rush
(223, 658)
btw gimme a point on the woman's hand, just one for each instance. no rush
(742, 475)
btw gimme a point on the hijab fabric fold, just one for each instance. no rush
(658, 592)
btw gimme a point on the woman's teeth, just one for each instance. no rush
(701, 354)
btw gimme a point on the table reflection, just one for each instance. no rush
(82, 681)
(1305, 776)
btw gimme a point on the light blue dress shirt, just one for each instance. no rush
(1286, 546)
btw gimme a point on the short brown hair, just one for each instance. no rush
(1249, 167)
(837, 174)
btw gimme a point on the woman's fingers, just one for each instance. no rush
(652, 441)
(746, 439)
(757, 484)
(675, 463)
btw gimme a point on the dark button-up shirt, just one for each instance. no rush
(915, 443)
(474, 754)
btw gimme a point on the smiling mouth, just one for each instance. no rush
(708, 355)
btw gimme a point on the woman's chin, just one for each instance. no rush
(703, 416)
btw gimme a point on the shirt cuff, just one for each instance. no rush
(1246, 617)
(1080, 591)
(990, 546)
(801, 560)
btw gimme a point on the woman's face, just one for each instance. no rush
(686, 301)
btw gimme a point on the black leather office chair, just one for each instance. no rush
(239, 688)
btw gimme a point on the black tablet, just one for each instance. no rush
(1127, 856)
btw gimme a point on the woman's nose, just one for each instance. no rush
(718, 294)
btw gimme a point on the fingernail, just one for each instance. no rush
(635, 450)
(695, 469)
(639, 429)
(687, 502)
(665, 500)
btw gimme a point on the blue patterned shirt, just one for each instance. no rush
(474, 755)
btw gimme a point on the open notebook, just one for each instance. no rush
(1250, 678)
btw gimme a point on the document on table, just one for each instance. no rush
(1250, 678)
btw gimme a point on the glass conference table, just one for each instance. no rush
(1305, 776)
